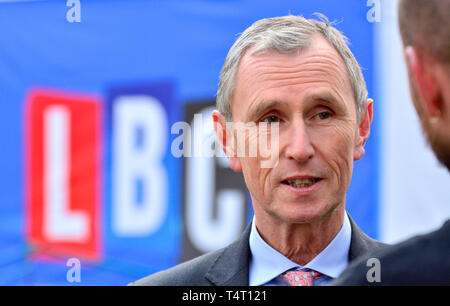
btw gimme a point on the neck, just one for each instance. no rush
(300, 242)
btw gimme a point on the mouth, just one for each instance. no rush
(301, 182)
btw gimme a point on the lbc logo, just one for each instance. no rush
(65, 162)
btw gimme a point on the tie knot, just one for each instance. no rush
(301, 278)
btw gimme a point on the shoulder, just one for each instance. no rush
(361, 243)
(419, 260)
(189, 273)
(226, 266)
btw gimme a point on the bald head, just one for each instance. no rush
(426, 24)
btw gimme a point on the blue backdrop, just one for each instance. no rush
(172, 50)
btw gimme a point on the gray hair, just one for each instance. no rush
(286, 35)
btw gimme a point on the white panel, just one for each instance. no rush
(60, 223)
(131, 164)
(208, 233)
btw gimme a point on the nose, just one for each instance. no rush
(298, 142)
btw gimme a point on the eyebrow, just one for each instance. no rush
(263, 107)
(325, 97)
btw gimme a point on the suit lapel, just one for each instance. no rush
(231, 267)
(360, 242)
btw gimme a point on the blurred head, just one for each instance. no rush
(425, 30)
(288, 72)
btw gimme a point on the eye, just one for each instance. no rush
(271, 119)
(323, 115)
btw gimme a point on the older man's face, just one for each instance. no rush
(310, 96)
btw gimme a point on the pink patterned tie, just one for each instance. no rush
(300, 278)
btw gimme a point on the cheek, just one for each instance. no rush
(256, 178)
(337, 152)
(256, 156)
(257, 181)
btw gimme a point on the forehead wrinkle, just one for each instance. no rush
(324, 85)
(316, 55)
(304, 77)
(301, 71)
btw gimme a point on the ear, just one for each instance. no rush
(226, 140)
(421, 71)
(363, 129)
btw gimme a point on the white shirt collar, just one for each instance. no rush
(267, 263)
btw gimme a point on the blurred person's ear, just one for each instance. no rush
(226, 140)
(363, 129)
(422, 71)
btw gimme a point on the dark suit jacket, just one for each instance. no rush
(230, 266)
(422, 260)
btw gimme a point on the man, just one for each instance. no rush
(425, 259)
(300, 80)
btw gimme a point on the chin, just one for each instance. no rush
(311, 212)
(304, 215)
